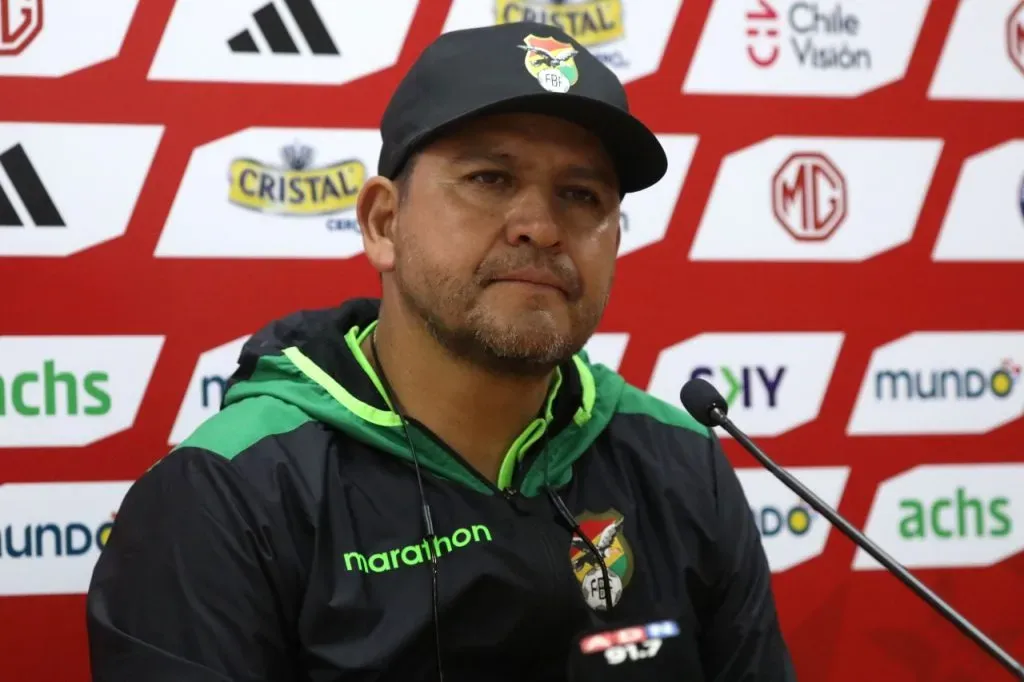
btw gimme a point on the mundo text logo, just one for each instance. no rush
(946, 516)
(206, 388)
(52, 533)
(791, 532)
(932, 382)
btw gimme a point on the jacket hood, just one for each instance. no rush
(312, 361)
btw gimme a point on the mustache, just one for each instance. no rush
(561, 269)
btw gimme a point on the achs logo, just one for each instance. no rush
(594, 23)
(605, 532)
(29, 189)
(1015, 36)
(819, 38)
(20, 23)
(271, 28)
(551, 62)
(941, 384)
(809, 196)
(297, 188)
(947, 516)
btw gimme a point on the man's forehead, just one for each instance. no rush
(540, 127)
(513, 140)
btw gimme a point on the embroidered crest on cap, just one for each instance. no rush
(551, 62)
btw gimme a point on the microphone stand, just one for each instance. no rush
(980, 638)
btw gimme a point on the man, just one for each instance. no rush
(441, 485)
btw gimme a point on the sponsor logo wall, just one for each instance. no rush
(837, 246)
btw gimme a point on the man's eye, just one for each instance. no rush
(582, 194)
(488, 177)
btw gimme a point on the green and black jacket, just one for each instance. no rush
(283, 540)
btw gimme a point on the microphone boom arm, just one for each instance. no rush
(865, 543)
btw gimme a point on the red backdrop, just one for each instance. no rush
(843, 626)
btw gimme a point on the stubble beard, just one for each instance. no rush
(529, 346)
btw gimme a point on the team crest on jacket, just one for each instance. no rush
(605, 530)
(551, 62)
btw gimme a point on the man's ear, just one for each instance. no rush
(377, 212)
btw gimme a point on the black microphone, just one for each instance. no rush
(706, 404)
(626, 653)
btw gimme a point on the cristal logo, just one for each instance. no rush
(753, 385)
(591, 22)
(298, 188)
(809, 196)
(818, 37)
(955, 517)
(1015, 36)
(20, 23)
(52, 392)
(944, 384)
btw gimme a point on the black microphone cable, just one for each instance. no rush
(567, 516)
(428, 519)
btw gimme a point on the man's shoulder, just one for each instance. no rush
(240, 427)
(643, 407)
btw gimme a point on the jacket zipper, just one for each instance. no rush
(521, 467)
(455, 455)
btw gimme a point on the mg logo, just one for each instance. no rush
(20, 23)
(809, 196)
(1015, 36)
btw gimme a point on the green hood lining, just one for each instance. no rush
(297, 379)
(303, 392)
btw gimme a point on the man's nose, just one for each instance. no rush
(532, 218)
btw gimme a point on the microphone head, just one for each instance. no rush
(699, 398)
(644, 651)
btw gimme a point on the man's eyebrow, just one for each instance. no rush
(601, 175)
(476, 154)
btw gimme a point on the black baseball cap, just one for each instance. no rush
(520, 67)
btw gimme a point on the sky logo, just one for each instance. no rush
(752, 385)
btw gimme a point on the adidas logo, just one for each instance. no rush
(29, 189)
(278, 37)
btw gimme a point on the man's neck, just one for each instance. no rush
(477, 413)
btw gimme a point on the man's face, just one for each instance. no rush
(506, 240)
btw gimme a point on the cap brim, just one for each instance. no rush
(635, 151)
